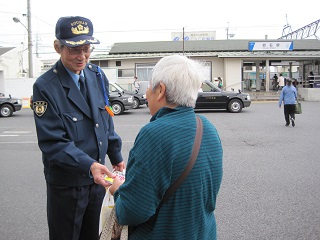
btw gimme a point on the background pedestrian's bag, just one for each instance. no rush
(298, 109)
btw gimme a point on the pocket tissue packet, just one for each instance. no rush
(121, 175)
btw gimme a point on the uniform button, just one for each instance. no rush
(100, 143)
(74, 119)
(97, 125)
(99, 159)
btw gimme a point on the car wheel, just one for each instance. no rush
(6, 110)
(235, 106)
(136, 103)
(117, 108)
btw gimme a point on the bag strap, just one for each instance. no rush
(188, 168)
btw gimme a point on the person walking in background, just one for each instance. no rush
(219, 82)
(200, 89)
(75, 132)
(160, 153)
(288, 97)
(280, 83)
(311, 79)
(275, 82)
(136, 84)
(295, 83)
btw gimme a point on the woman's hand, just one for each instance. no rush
(119, 167)
(117, 182)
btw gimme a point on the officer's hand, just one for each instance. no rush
(98, 172)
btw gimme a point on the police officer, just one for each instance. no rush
(75, 133)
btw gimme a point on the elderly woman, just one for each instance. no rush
(160, 153)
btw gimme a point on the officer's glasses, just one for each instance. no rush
(80, 50)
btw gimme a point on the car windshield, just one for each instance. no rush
(114, 87)
(210, 87)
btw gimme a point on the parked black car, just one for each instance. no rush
(213, 97)
(9, 105)
(138, 98)
(120, 102)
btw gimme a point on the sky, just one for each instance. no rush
(145, 20)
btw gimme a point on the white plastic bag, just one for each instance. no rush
(106, 208)
(108, 225)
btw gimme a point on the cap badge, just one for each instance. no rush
(80, 29)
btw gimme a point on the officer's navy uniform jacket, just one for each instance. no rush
(73, 133)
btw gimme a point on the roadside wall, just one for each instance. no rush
(309, 94)
(20, 88)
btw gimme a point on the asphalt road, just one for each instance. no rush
(270, 188)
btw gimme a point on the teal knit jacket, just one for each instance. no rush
(160, 153)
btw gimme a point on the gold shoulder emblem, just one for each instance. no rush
(40, 107)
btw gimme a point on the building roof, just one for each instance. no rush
(302, 48)
(4, 50)
(204, 46)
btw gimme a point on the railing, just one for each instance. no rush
(311, 82)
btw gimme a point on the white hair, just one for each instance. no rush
(182, 76)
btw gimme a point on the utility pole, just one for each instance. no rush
(231, 35)
(286, 28)
(30, 56)
(227, 29)
(183, 41)
(30, 52)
